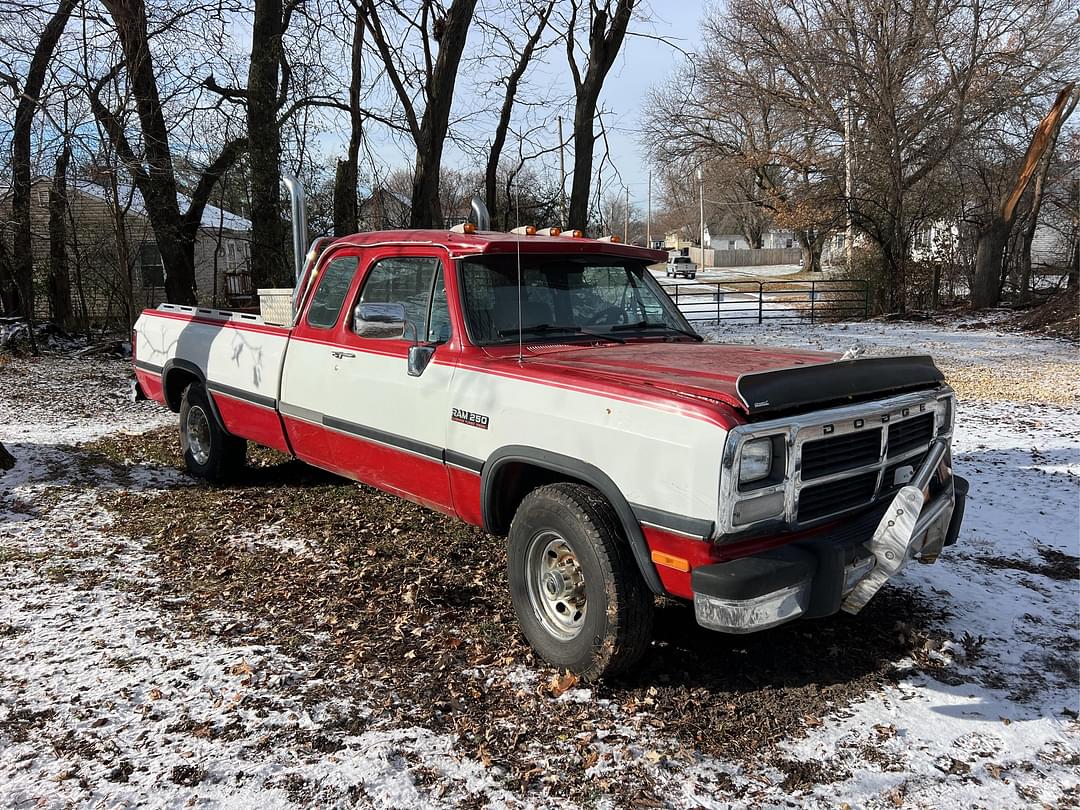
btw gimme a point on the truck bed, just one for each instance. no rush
(236, 355)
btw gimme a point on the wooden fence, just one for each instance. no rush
(746, 257)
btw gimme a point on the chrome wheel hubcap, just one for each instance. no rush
(197, 433)
(556, 585)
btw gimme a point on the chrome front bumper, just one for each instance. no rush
(817, 577)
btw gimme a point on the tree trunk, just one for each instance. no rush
(9, 293)
(22, 261)
(491, 172)
(989, 254)
(604, 45)
(426, 211)
(346, 205)
(584, 143)
(269, 267)
(157, 183)
(59, 278)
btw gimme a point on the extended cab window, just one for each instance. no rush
(330, 294)
(417, 282)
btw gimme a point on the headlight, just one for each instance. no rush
(943, 417)
(756, 463)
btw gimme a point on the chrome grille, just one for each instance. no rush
(838, 459)
(909, 434)
(828, 456)
(837, 496)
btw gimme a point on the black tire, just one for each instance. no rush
(219, 456)
(692, 276)
(616, 624)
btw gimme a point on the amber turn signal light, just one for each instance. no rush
(670, 561)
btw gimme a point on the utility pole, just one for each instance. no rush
(648, 217)
(701, 211)
(626, 220)
(562, 180)
(849, 183)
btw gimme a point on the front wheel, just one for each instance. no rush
(209, 452)
(577, 592)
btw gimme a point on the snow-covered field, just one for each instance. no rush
(111, 694)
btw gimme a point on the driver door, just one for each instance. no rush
(392, 426)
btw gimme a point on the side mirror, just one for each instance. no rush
(419, 357)
(379, 320)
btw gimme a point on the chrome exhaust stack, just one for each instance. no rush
(483, 216)
(299, 222)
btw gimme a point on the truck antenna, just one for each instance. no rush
(521, 340)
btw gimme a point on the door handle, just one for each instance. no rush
(340, 355)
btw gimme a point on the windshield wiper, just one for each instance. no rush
(547, 328)
(624, 327)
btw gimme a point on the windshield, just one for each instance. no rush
(564, 296)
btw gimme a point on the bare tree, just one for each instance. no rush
(426, 79)
(346, 210)
(28, 95)
(266, 90)
(606, 26)
(908, 82)
(154, 172)
(539, 14)
(59, 284)
(994, 235)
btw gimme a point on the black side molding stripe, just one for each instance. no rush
(695, 527)
(455, 459)
(382, 437)
(239, 393)
(148, 367)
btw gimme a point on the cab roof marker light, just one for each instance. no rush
(613, 238)
(464, 227)
(525, 230)
(574, 234)
(550, 231)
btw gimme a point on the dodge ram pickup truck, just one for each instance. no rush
(545, 388)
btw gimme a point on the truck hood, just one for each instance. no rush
(688, 370)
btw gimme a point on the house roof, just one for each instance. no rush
(212, 216)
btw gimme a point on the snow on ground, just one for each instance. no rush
(108, 699)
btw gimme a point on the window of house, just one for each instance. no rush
(330, 294)
(418, 283)
(151, 268)
(731, 244)
(790, 243)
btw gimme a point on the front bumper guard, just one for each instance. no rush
(755, 593)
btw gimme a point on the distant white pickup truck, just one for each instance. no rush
(681, 266)
(545, 388)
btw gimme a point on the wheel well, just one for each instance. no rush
(176, 380)
(514, 481)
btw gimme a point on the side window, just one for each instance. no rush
(439, 323)
(406, 280)
(330, 294)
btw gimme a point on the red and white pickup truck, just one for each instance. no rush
(545, 388)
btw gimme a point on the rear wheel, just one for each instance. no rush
(209, 452)
(576, 589)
